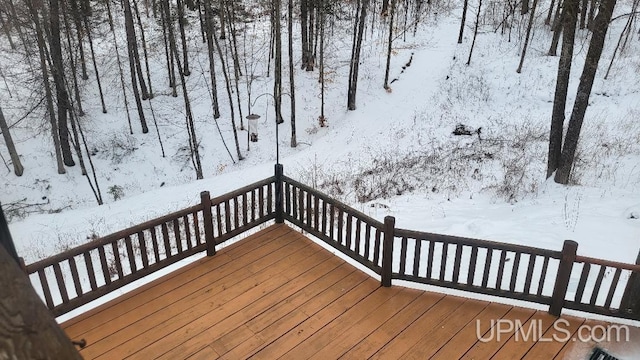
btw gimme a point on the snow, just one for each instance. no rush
(489, 186)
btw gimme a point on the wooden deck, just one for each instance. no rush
(277, 294)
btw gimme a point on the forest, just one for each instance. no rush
(87, 86)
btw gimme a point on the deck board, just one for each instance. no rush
(277, 294)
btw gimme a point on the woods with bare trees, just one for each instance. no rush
(185, 44)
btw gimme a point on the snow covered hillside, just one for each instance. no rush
(394, 155)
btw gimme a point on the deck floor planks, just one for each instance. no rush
(269, 326)
(549, 349)
(485, 350)
(219, 307)
(433, 339)
(255, 303)
(394, 326)
(340, 324)
(279, 295)
(361, 329)
(466, 338)
(523, 340)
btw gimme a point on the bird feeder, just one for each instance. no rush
(252, 119)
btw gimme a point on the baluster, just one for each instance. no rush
(417, 254)
(90, 271)
(527, 281)
(596, 287)
(586, 268)
(165, 238)
(487, 267)
(156, 247)
(472, 265)
(514, 272)
(403, 255)
(456, 263)
(106, 274)
(45, 288)
(543, 275)
(130, 254)
(443, 260)
(612, 288)
(143, 249)
(62, 287)
(116, 257)
(75, 276)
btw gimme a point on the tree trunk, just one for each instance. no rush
(277, 74)
(304, 31)
(27, 329)
(57, 70)
(294, 141)
(47, 85)
(77, 20)
(131, 44)
(18, 169)
(209, 33)
(355, 56)
(475, 31)
(389, 45)
(547, 21)
(584, 4)
(556, 28)
(465, 5)
(569, 18)
(527, 36)
(600, 27)
(183, 36)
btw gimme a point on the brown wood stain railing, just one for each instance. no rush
(111, 262)
(480, 266)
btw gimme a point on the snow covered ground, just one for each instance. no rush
(395, 155)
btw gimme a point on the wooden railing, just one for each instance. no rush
(560, 279)
(348, 230)
(111, 262)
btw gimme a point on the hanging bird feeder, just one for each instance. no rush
(253, 127)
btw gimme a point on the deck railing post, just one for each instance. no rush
(205, 200)
(387, 250)
(630, 302)
(279, 203)
(569, 250)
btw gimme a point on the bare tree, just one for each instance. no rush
(569, 18)
(292, 87)
(355, 54)
(475, 31)
(389, 45)
(527, 36)
(133, 68)
(18, 169)
(465, 5)
(35, 17)
(600, 27)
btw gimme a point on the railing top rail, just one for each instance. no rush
(358, 214)
(33, 267)
(242, 190)
(476, 242)
(613, 264)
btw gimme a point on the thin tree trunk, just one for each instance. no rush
(389, 45)
(183, 36)
(569, 18)
(193, 140)
(77, 20)
(557, 29)
(7, 33)
(228, 87)
(277, 75)
(57, 71)
(600, 27)
(209, 33)
(47, 86)
(132, 64)
(294, 141)
(547, 21)
(144, 50)
(527, 36)
(465, 5)
(627, 30)
(18, 169)
(87, 29)
(322, 119)
(583, 13)
(475, 32)
(76, 91)
(355, 57)
(120, 70)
